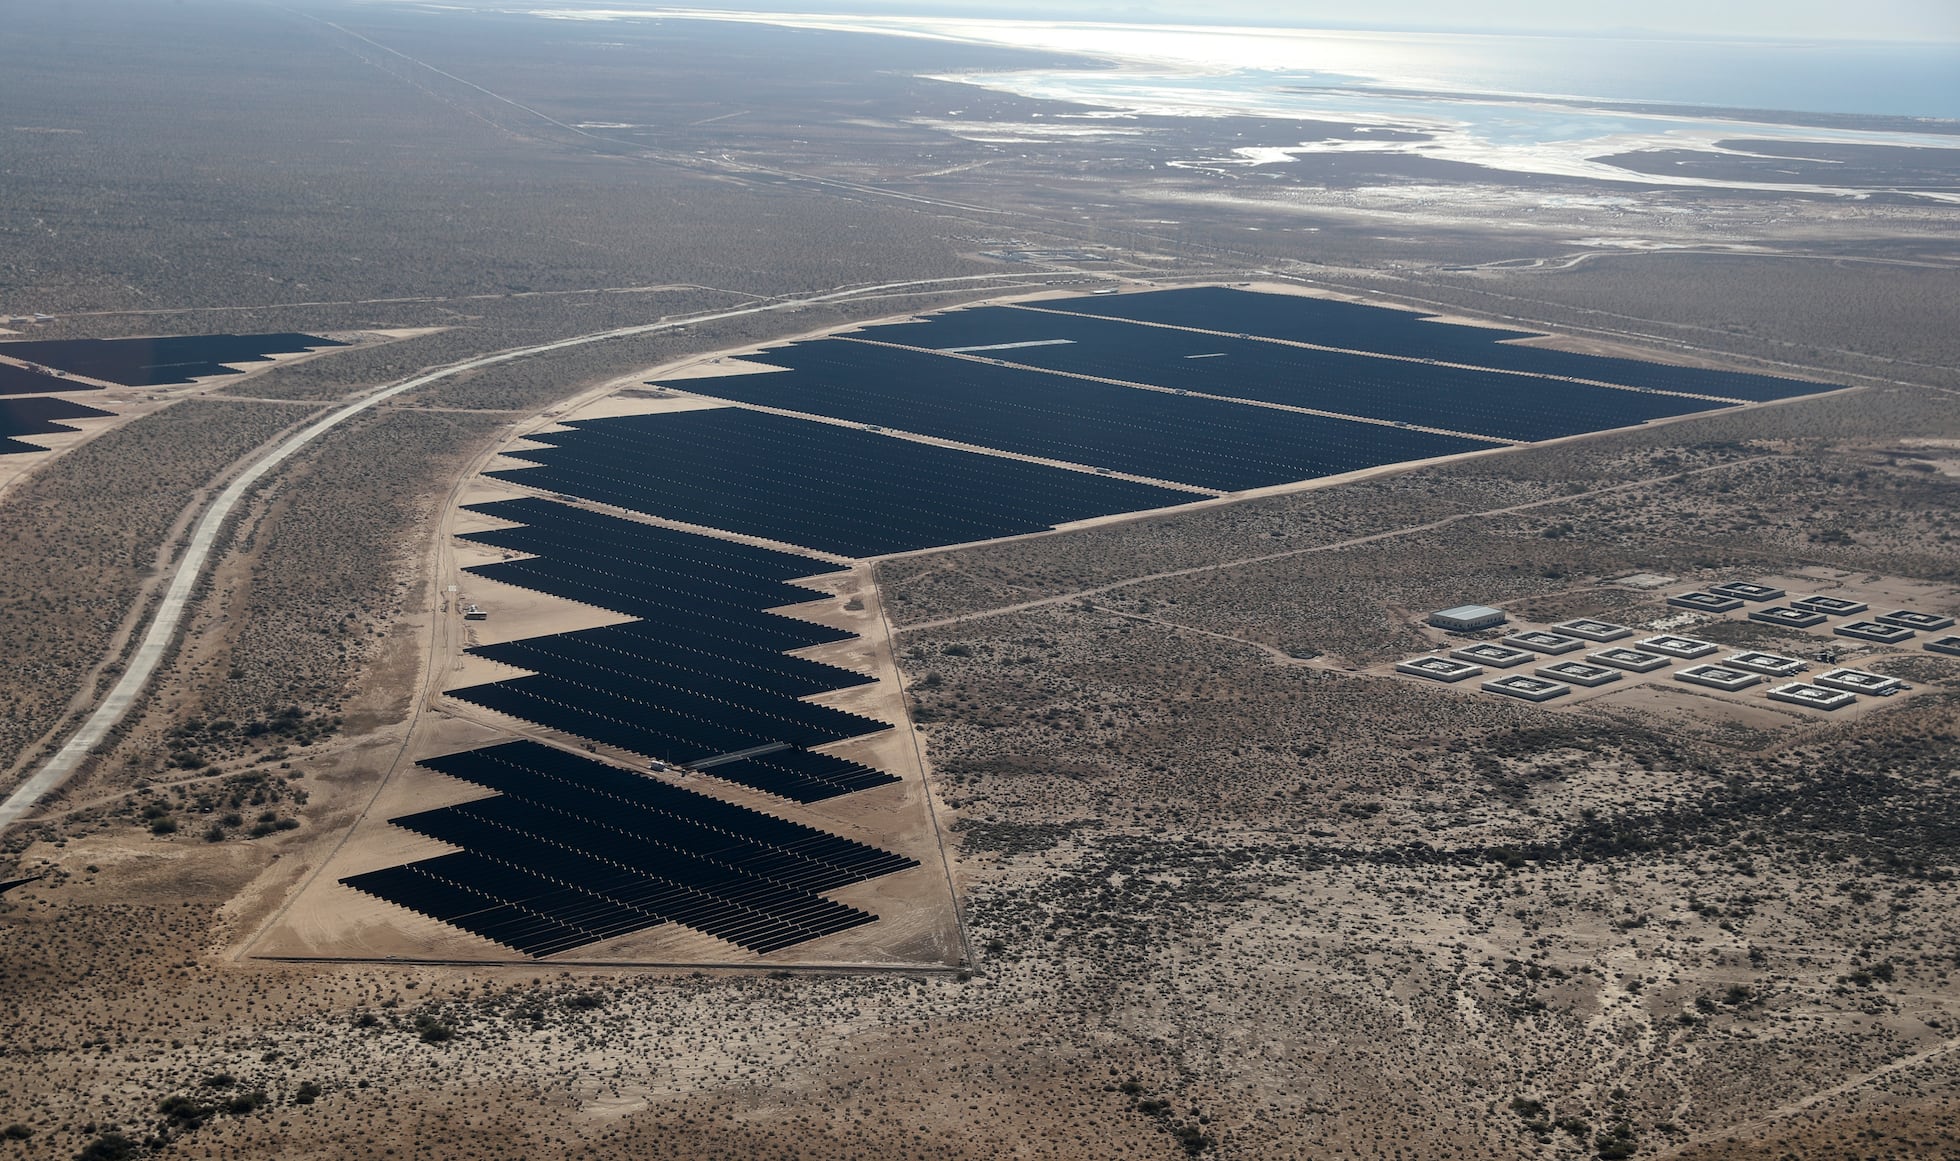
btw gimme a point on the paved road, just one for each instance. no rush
(155, 643)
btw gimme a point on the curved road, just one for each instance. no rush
(156, 639)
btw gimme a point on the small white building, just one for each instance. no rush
(1579, 673)
(1467, 618)
(1787, 617)
(1859, 681)
(1632, 660)
(1747, 591)
(1543, 641)
(1875, 632)
(1493, 654)
(1593, 630)
(1907, 619)
(1439, 668)
(1685, 647)
(1811, 696)
(1528, 688)
(1718, 677)
(1705, 602)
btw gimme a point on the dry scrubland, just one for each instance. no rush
(78, 539)
(1828, 481)
(329, 561)
(1831, 315)
(262, 159)
(1225, 904)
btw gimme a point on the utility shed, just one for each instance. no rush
(1465, 618)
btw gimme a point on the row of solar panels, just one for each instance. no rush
(1352, 326)
(144, 362)
(572, 851)
(38, 416)
(820, 486)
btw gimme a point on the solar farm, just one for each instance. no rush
(1003, 420)
(676, 773)
(574, 851)
(571, 851)
(150, 362)
(29, 381)
(38, 415)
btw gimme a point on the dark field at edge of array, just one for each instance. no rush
(157, 362)
(1486, 403)
(28, 381)
(1298, 318)
(820, 486)
(572, 851)
(38, 415)
(1210, 443)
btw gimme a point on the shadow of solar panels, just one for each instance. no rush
(1352, 326)
(821, 486)
(800, 775)
(1209, 443)
(161, 361)
(572, 851)
(39, 416)
(27, 381)
(1487, 403)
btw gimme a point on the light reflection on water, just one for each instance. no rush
(1518, 135)
(1489, 100)
(1918, 80)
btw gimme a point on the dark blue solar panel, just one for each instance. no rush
(1351, 326)
(1490, 403)
(38, 415)
(834, 489)
(159, 361)
(27, 381)
(1206, 442)
(572, 851)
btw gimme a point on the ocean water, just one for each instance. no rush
(1505, 102)
(1917, 80)
(1880, 78)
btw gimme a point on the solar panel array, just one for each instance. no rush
(38, 415)
(572, 851)
(700, 675)
(1488, 403)
(1352, 326)
(834, 489)
(29, 381)
(1206, 442)
(159, 362)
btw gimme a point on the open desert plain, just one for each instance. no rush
(623, 583)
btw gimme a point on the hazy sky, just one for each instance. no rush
(1779, 19)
